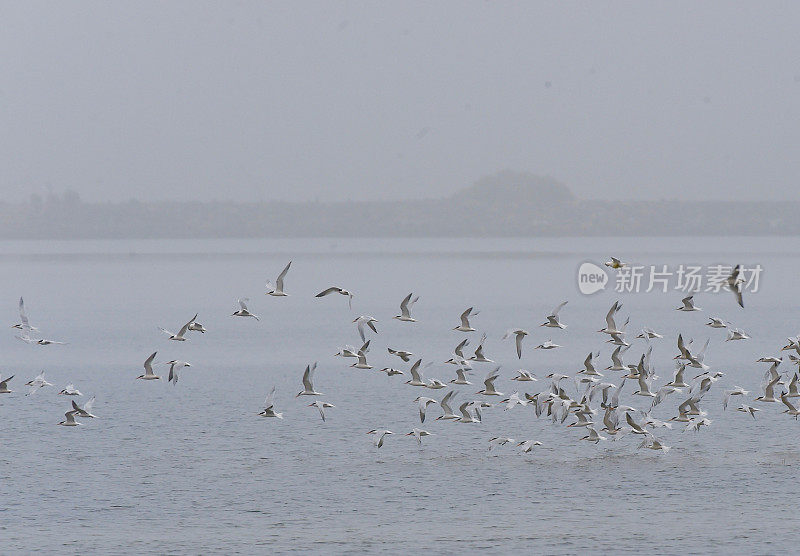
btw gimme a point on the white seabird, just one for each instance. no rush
(277, 289)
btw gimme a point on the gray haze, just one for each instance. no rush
(255, 101)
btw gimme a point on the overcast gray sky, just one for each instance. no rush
(265, 100)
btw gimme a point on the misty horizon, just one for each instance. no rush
(507, 204)
(55, 193)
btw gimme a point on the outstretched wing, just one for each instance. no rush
(737, 291)
(610, 324)
(490, 378)
(459, 350)
(415, 375)
(330, 290)
(148, 364)
(269, 402)
(404, 310)
(558, 308)
(465, 317)
(22, 316)
(281, 276)
(185, 327)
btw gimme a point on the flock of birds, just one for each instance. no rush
(587, 399)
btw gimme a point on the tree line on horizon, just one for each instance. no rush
(504, 205)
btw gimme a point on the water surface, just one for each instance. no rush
(192, 468)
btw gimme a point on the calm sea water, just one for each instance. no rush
(191, 468)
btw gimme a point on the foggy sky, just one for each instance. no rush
(378, 100)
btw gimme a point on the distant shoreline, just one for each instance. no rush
(408, 219)
(501, 206)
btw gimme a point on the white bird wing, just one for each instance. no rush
(465, 318)
(23, 316)
(518, 341)
(423, 403)
(460, 348)
(270, 401)
(644, 384)
(148, 363)
(733, 278)
(308, 377)
(415, 375)
(701, 355)
(682, 347)
(648, 439)
(445, 403)
(737, 291)
(769, 389)
(281, 276)
(242, 304)
(185, 327)
(726, 396)
(558, 308)
(182, 331)
(617, 391)
(404, 306)
(610, 324)
(734, 284)
(622, 352)
(490, 378)
(647, 368)
(616, 360)
(330, 290)
(635, 426)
